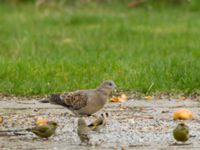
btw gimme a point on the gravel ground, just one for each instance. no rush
(135, 124)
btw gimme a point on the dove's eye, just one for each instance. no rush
(110, 84)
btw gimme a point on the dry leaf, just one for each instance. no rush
(148, 97)
(114, 99)
(41, 121)
(183, 114)
(1, 119)
(182, 98)
(121, 98)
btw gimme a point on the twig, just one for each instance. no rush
(11, 134)
(16, 130)
(181, 144)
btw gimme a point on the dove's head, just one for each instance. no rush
(108, 86)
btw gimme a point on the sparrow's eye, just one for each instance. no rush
(110, 84)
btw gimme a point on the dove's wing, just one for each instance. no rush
(75, 100)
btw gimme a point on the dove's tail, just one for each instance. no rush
(56, 99)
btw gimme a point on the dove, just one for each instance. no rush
(44, 131)
(85, 102)
(99, 122)
(83, 130)
(181, 132)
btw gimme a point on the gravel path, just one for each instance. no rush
(135, 124)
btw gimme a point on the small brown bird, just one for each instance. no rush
(85, 102)
(83, 130)
(181, 132)
(44, 131)
(99, 122)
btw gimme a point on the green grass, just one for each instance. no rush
(46, 51)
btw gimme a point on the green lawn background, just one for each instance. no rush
(55, 50)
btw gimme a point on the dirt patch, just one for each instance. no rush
(138, 124)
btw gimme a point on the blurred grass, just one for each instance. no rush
(53, 50)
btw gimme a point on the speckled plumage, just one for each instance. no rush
(99, 122)
(83, 130)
